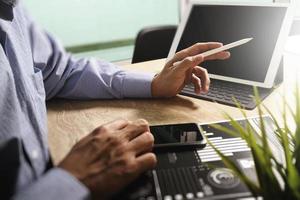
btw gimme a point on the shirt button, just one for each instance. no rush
(34, 154)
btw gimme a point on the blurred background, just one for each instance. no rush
(107, 29)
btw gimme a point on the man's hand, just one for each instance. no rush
(111, 157)
(183, 69)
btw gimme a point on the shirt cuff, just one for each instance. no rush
(69, 186)
(137, 85)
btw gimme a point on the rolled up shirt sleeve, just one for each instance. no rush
(55, 184)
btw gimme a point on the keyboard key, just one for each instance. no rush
(151, 198)
(168, 197)
(200, 194)
(211, 95)
(178, 197)
(189, 196)
(224, 92)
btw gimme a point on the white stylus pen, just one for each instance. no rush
(226, 47)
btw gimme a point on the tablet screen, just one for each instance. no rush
(228, 24)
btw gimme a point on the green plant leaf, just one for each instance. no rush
(297, 122)
(293, 183)
(271, 171)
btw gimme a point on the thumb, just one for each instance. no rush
(188, 63)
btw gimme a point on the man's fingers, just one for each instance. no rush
(146, 162)
(218, 56)
(197, 83)
(142, 143)
(136, 128)
(194, 50)
(188, 63)
(111, 126)
(202, 47)
(117, 124)
(204, 77)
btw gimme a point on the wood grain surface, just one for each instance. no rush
(68, 121)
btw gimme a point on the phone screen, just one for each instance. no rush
(177, 134)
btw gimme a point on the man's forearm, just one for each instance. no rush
(94, 79)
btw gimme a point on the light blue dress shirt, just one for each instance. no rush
(34, 67)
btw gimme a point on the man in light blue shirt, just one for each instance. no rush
(33, 68)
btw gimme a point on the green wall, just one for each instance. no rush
(88, 22)
(104, 28)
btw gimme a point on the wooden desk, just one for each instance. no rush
(68, 121)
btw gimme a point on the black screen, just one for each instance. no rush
(179, 133)
(228, 24)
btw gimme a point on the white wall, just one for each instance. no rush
(297, 2)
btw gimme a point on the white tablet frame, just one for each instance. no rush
(278, 50)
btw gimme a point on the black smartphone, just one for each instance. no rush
(178, 136)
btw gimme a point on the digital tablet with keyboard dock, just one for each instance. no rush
(255, 63)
